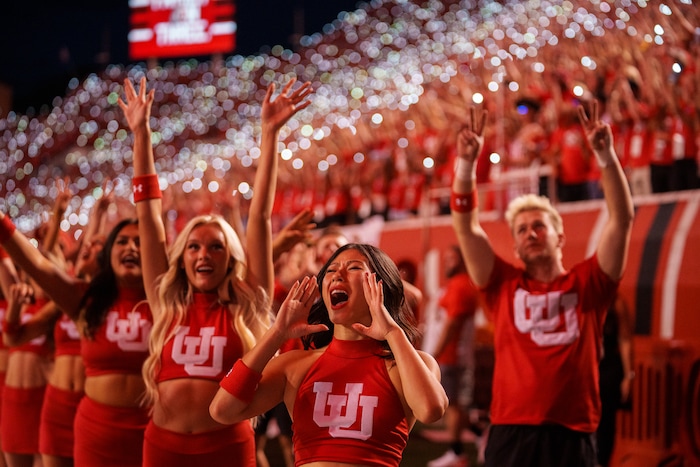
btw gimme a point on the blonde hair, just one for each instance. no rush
(249, 308)
(532, 202)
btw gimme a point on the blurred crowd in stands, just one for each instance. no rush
(393, 81)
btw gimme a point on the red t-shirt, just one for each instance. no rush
(547, 345)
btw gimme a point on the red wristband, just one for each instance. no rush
(7, 228)
(241, 382)
(3, 253)
(464, 203)
(146, 187)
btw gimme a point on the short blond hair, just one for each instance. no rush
(532, 202)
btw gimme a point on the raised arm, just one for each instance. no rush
(50, 243)
(275, 113)
(295, 231)
(473, 242)
(54, 280)
(615, 238)
(95, 228)
(147, 196)
(8, 273)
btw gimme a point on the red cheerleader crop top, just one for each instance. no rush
(348, 410)
(204, 345)
(120, 343)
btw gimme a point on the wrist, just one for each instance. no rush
(270, 128)
(241, 382)
(146, 187)
(463, 169)
(143, 129)
(604, 158)
(275, 336)
(464, 203)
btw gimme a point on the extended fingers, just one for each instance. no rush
(304, 291)
(288, 86)
(374, 286)
(129, 90)
(481, 123)
(302, 92)
(142, 88)
(583, 118)
(270, 91)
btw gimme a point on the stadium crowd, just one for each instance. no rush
(391, 82)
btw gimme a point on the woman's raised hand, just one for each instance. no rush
(277, 112)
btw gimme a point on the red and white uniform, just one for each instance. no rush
(58, 412)
(21, 406)
(347, 409)
(547, 345)
(120, 344)
(204, 346)
(107, 435)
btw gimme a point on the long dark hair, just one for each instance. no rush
(102, 291)
(380, 263)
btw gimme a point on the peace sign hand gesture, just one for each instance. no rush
(470, 139)
(598, 134)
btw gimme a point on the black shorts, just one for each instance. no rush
(539, 446)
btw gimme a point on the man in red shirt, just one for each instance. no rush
(547, 320)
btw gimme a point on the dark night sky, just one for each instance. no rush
(45, 43)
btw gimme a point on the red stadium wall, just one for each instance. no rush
(662, 287)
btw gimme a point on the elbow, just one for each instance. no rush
(219, 414)
(433, 411)
(626, 220)
(626, 216)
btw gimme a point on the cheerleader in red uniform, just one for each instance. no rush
(25, 382)
(210, 297)
(65, 381)
(8, 276)
(356, 395)
(114, 323)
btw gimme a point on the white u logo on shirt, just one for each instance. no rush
(541, 314)
(193, 352)
(334, 420)
(130, 334)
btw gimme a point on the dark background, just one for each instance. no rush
(45, 43)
